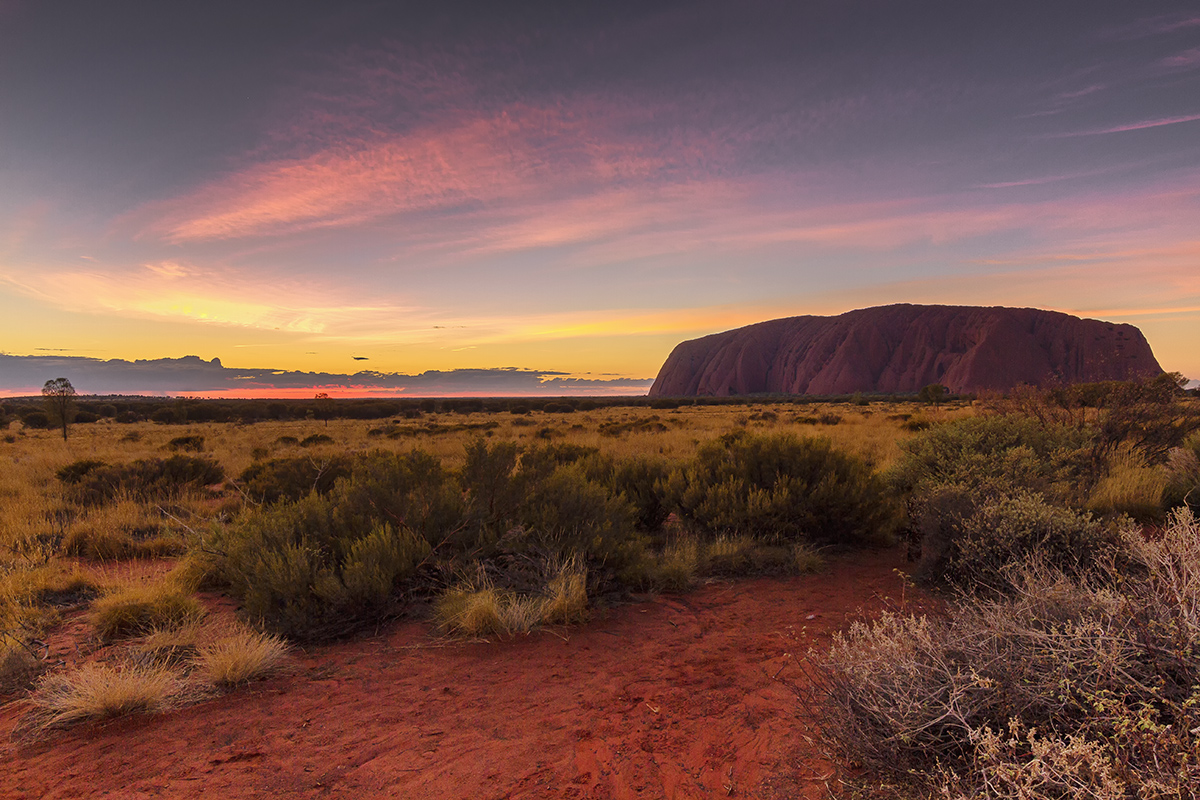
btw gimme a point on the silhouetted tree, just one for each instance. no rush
(58, 396)
(324, 407)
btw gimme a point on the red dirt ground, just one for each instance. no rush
(686, 696)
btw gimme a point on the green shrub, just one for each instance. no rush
(145, 479)
(641, 480)
(567, 514)
(995, 539)
(292, 478)
(325, 564)
(998, 454)
(302, 571)
(782, 488)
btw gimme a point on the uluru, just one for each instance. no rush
(902, 348)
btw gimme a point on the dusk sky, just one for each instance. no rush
(572, 188)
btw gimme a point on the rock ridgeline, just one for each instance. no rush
(901, 348)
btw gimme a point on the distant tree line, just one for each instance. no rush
(37, 413)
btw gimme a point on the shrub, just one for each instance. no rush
(281, 479)
(566, 601)
(1132, 489)
(476, 607)
(978, 548)
(568, 514)
(315, 439)
(472, 610)
(119, 531)
(1183, 475)
(136, 610)
(782, 488)
(314, 570)
(18, 668)
(194, 444)
(146, 479)
(987, 452)
(76, 471)
(1068, 687)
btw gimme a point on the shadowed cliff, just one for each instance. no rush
(901, 348)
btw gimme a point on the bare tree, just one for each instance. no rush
(58, 396)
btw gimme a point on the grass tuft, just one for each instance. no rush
(240, 656)
(100, 691)
(135, 610)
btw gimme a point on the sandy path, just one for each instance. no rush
(671, 698)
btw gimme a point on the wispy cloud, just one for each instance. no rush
(1185, 60)
(1130, 126)
(479, 160)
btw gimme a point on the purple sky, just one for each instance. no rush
(572, 189)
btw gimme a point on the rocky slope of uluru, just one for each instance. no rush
(901, 348)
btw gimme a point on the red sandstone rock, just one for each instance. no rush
(901, 348)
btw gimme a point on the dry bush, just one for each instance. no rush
(139, 609)
(100, 691)
(239, 656)
(1070, 687)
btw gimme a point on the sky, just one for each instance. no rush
(568, 190)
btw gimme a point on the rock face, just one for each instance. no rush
(902, 348)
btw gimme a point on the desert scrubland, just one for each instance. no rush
(998, 596)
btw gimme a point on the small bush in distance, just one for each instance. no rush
(281, 479)
(190, 444)
(316, 439)
(990, 455)
(144, 479)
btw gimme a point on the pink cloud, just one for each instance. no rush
(1184, 60)
(516, 153)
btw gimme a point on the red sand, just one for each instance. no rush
(676, 697)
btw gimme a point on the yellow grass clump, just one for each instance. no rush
(239, 656)
(139, 609)
(101, 691)
(1131, 487)
(566, 599)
